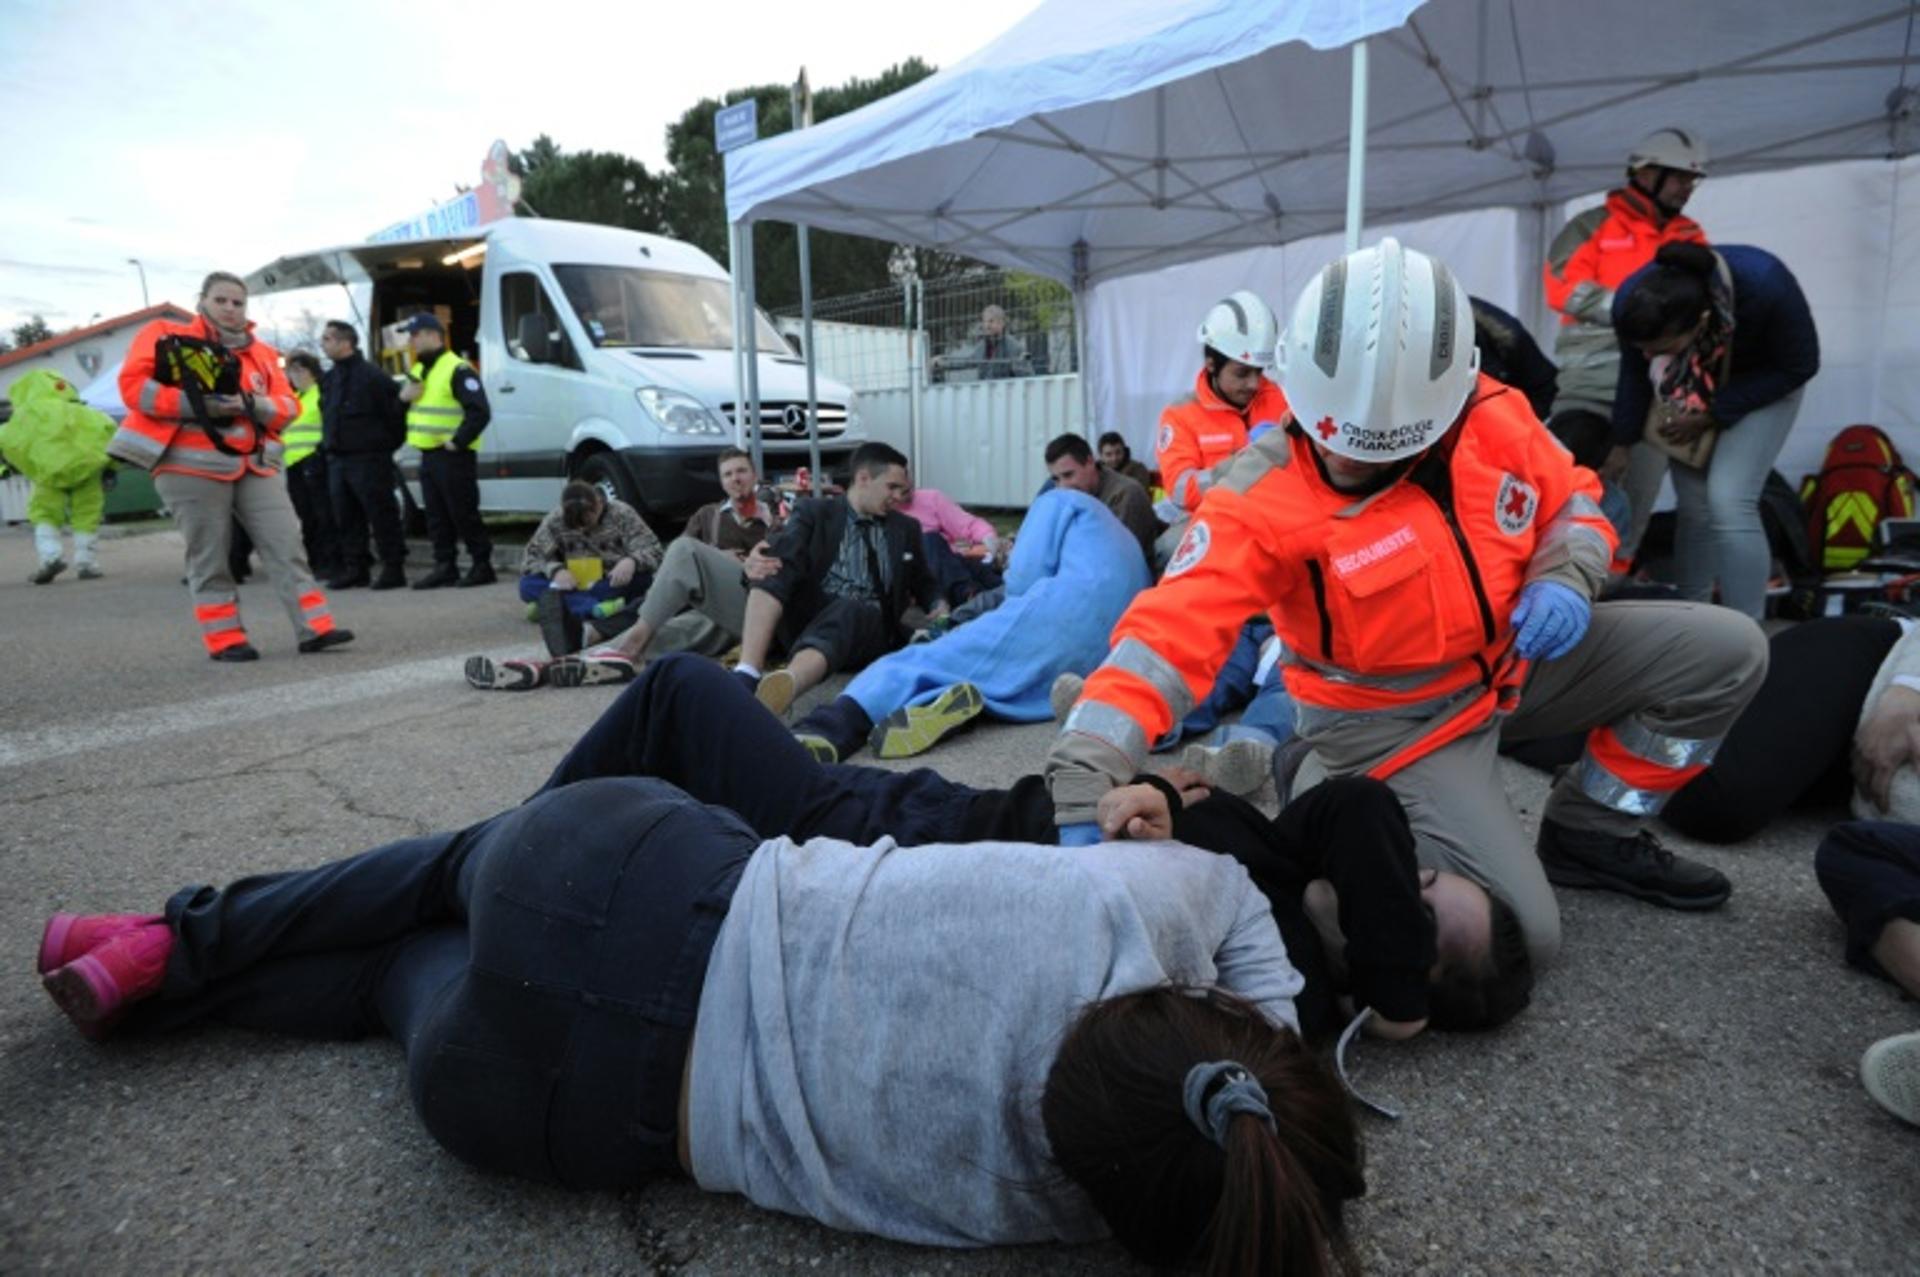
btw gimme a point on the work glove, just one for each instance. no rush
(1550, 621)
(1081, 834)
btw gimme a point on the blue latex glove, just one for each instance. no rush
(1082, 834)
(1550, 621)
(1259, 430)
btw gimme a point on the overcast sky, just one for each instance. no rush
(221, 134)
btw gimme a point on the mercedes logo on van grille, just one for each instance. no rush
(796, 418)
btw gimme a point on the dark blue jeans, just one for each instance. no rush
(542, 969)
(691, 723)
(1870, 870)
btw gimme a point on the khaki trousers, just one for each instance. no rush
(711, 582)
(1682, 670)
(205, 509)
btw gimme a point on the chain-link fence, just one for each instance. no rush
(980, 325)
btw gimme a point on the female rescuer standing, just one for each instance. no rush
(206, 402)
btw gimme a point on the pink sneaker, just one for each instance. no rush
(68, 935)
(96, 988)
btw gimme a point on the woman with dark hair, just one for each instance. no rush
(614, 980)
(1714, 342)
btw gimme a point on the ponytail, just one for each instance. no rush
(1668, 297)
(1254, 1183)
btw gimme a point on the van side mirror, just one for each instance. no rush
(535, 338)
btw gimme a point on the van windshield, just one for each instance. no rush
(628, 306)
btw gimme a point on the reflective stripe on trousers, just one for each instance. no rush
(1632, 768)
(220, 626)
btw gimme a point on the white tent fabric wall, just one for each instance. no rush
(1850, 233)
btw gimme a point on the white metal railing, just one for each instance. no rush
(981, 442)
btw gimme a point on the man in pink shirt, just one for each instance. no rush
(962, 549)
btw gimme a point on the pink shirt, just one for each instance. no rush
(936, 512)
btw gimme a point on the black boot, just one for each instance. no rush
(560, 630)
(442, 574)
(1632, 864)
(481, 573)
(391, 578)
(348, 579)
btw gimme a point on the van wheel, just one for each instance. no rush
(605, 471)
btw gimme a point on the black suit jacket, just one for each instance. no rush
(809, 543)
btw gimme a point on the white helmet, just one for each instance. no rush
(1379, 358)
(1671, 148)
(1242, 328)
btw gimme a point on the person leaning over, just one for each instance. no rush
(206, 402)
(446, 411)
(584, 562)
(307, 467)
(360, 429)
(1232, 400)
(849, 568)
(1590, 258)
(1428, 554)
(1721, 342)
(1070, 464)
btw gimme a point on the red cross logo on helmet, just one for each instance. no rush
(1326, 428)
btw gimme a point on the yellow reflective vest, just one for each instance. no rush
(433, 418)
(302, 435)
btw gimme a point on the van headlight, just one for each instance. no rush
(677, 412)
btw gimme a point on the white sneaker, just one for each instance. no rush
(1064, 692)
(1891, 1071)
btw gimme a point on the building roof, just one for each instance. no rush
(165, 310)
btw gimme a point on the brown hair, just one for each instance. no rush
(1116, 1120)
(221, 277)
(580, 501)
(1488, 997)
(731, 453)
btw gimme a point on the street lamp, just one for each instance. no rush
(135, 263)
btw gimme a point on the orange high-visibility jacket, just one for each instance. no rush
(1203, 430)
(1598, 249)
(1396, 602)
(160, 432)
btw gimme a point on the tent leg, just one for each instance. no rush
(1357, 147)
(739, 348)
(750, 344)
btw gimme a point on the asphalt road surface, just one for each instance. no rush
(1682, 1095)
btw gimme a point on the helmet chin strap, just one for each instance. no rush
(1667, 210)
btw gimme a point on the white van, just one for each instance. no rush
(606, 356)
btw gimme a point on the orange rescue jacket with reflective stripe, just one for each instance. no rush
(1600, 254)
(1203, 430)
(1400, 601)
(160, 418)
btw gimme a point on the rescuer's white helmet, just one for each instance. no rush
(1242, 328)
(1379, 358)
(1671, 148)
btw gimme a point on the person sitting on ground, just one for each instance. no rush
(587, 563)
(962, 549)
(1071, 464)
(696, 600)
(849, 568)
(1831, 719)
(1116, 456)
(60, 445)
(1870, 870)
(1090, 1042)
(1073, 571)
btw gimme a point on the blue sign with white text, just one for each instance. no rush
(736, 125)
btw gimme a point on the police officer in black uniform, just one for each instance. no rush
(440, 388)
(361, 422)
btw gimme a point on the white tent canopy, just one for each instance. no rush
(1099, 138)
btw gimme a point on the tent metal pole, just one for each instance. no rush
(1357, 147)
(803, 118)
(750, 344)
(739, 364)
(915, 302)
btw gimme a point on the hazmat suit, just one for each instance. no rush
(60, 445)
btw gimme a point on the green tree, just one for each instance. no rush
(33, 330)
(590, 186)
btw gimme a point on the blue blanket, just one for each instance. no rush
(1073, 571)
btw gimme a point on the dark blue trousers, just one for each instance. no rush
(1870, 870)
(542, 969)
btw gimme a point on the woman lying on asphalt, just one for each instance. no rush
(615, 980)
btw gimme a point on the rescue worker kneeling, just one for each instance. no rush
(1429, 555)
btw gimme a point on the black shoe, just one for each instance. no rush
(391, 578)
(348, 580)
(321, 642)
(238, 652)
(560, 632)
(1634, 865)
(478, 574)
(442, 574)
